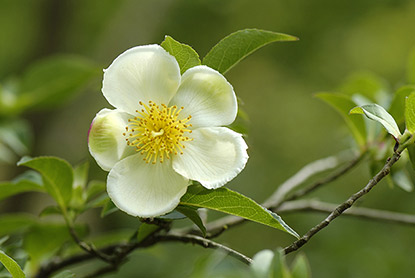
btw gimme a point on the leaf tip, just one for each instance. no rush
(356, 110)
(23, 160)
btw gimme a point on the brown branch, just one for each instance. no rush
(119, 252)
(372, 214)
(323, 181)
(206, 243)
(217, 227)
(89, 248)
(344, 206)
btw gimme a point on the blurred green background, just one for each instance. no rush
(288, 127)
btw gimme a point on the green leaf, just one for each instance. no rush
(57, 176)
(185, 55)
(410, 113)
(343, 104)
(192, 214)
(279, 267)
(365, 84)
(378, 113)
(80, 174)
(301, 267)
(145, 230)
(24, 183)
(231, 202)
(236, 46)
(54, 80)
(15, 222)
(261, 263)
(50, 210)
(397, 107)
(65, 274)
(11, 266)
(43, 240)
(94, 188)
(108, 208)
(16, 136)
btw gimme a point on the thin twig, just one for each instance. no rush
(332, 177)
(204, 242)
(215, 228)
(120, 251)
(89, 248)
(344, 206)
(301, 176)
(373, 214)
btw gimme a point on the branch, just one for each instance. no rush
(204, 242)
(344, 206)
(120, 251)
(332, 177)
(301, 176)
(89, 248)
(215, 228)
(373, 214)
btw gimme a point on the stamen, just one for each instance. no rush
(157, 132)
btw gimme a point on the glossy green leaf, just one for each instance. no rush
(57, 176)
(11, 266)
(231, 202)
(301, 267)
(236, 46)
(185, 55)
(343, 104)
(54, 80)
(15, 222)
(65, 274)
(378, 113)
(397, 107)
(24, 183)
(192, 214)
(410, 113)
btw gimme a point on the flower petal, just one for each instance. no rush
(207, 97)
(214, 157)
(142, 73)
(144, 189)
(105, 140)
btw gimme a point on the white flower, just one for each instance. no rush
(165, 130)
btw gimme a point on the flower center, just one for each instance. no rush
(157, 132)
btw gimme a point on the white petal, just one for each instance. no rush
(141, 73)
(207, 97)
(144, 189)
(105, 140)
(214, 157)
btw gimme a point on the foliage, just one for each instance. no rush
(53, 81)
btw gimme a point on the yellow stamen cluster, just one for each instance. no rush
(157, 131)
